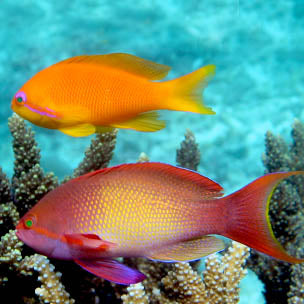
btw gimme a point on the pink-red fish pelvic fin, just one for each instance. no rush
(112, 270)
(248, 216)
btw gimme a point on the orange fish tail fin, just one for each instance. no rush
(248, 216)
(186, 92)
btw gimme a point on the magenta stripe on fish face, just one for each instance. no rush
(41, 112)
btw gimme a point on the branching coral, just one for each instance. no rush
(165, 283)
(182, 284)
(51, 290)
(98, 155)
(286, 213)
(29, 184)
(188, 156)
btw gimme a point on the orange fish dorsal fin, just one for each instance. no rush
(130, 63)
(189, 250)
(208, 189)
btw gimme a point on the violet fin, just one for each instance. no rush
(112, 270)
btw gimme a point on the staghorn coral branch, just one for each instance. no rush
(286, 215)
(29, 183)
(99, 154)
(188, 156)
(51, 290)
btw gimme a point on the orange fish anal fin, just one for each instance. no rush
(189, 250)
(79, 130)
(129, 63)
(112, 270)
(145, 122)
(87, 242)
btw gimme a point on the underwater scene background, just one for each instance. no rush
(258, 87)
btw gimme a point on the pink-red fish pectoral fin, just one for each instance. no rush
(189, 250)
(112, 270)
(144, 122)
(248, 216)
(89, 242)
(186, 92)
(126, 62)
(79, 130)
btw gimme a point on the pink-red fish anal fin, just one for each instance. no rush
(247, 215)
(145, 122)
(189, 250)
(88, 242)
(112, 270)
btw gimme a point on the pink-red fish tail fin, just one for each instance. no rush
(186, 93)
(247, 212)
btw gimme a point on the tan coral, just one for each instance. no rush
(185, 284)
(51, 290)
(221, 279)
(10, 249)
(136, 295)
(222, 276)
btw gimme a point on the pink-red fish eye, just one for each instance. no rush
(20, 97)
(29, 221)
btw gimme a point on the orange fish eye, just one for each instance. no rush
(20, 97)
(29, 221)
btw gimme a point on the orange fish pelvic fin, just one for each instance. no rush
(79, 130)
(87, 242)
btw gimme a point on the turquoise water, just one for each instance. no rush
(256, 46)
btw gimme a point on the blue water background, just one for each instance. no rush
(256, 46)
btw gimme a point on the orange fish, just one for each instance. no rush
(90, 94)
(151, 210)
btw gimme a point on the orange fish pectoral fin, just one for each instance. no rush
(189, 250)
(129, 63)
(79, 130)
(87, 242)
(112, 270)
(145, 122)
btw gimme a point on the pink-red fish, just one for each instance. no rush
(150, 210)
(86, 94)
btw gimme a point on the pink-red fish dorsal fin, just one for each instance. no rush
(129, 63)
(208, 188)
(112, 270)
(83, 242)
